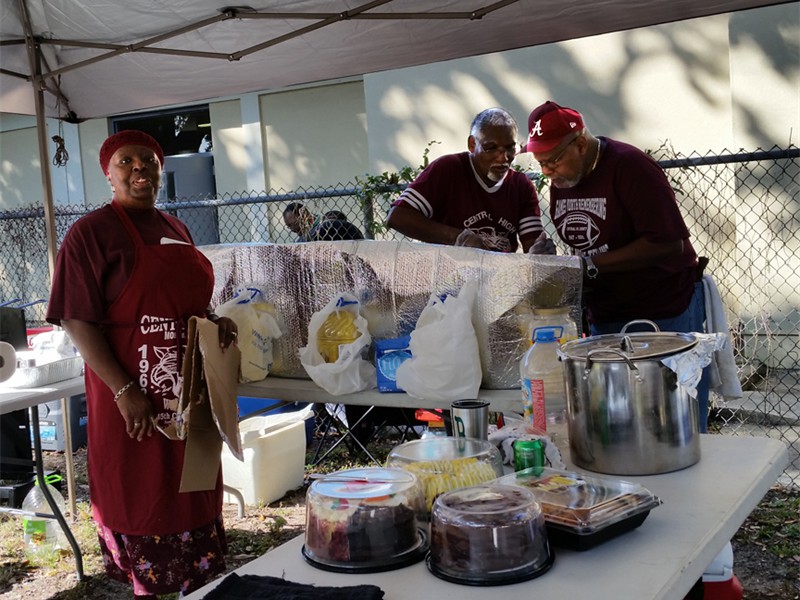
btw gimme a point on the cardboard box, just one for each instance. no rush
(274, 448)
(207, 413)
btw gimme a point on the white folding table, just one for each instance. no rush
(12, 399)
(703, 507)
(305, 390)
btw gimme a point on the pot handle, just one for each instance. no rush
(639, 322)
(613, 351)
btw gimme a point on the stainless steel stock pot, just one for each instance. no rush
(626, 413)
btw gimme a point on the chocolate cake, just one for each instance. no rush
(487, 533)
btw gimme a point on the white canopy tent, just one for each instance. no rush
(79, 59)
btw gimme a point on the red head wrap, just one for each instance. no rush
(129, 137)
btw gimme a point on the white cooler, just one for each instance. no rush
(274, 449)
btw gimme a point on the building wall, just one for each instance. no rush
(315, 136)
(231, 160)
(717, 83)
(92, 133)
(20, 167)
(765, 76)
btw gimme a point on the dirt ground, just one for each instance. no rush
(762, 574)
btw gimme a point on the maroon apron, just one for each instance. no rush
(134, 485)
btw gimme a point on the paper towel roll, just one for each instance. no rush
(8, 361)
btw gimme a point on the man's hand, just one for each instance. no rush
(469, 238)
(542, 245)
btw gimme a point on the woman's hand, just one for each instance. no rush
(137, 410)
(228, 332)
(133, 405)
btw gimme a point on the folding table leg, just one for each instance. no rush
(346, 430)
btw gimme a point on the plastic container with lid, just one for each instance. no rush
(544, 392)
(488, 535)
(447, 463)
(364, 521)
(582, 511)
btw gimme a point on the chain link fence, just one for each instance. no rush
(743, 210)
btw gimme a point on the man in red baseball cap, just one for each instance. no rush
(612, 204)
(549, 124)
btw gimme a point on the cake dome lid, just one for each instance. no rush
(443, 448)
(490, 500)
(365, 483)
(488, 534)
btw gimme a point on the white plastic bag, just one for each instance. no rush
(53, 345)
(350, 373)
(445, 362)
(257, 328)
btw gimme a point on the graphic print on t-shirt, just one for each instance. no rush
(575, 218)
(159, 371)
(492, 238)
(164, 375)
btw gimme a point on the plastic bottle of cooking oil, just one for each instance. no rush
(338, 329)
(544, 396)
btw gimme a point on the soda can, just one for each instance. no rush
(529, 454)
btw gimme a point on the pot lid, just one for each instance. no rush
(635, 346)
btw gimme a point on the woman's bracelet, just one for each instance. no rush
(123, 389)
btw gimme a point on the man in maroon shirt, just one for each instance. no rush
(474, 198)
(612, 204)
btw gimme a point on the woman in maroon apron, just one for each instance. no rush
(127, 279)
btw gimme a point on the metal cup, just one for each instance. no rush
(470, 419)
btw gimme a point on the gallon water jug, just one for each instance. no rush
(43, 535)
(558, 316)
(339, 328)
(544, 395)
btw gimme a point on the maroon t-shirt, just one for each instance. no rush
(449, 191)
(96, 259)
(625, 198)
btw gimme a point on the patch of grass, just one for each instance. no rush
(775, 523)
(17, 562)
(257, 541)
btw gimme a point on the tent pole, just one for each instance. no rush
(35, 60)
(47, 186)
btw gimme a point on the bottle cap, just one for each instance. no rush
(547, 334)
(50, 479)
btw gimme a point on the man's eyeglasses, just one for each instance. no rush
(495, 150)
(553, 162)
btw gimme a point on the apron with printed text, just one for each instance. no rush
(134, 485)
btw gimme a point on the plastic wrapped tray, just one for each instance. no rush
(40, 375)
(443, 464)
(583, 511)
